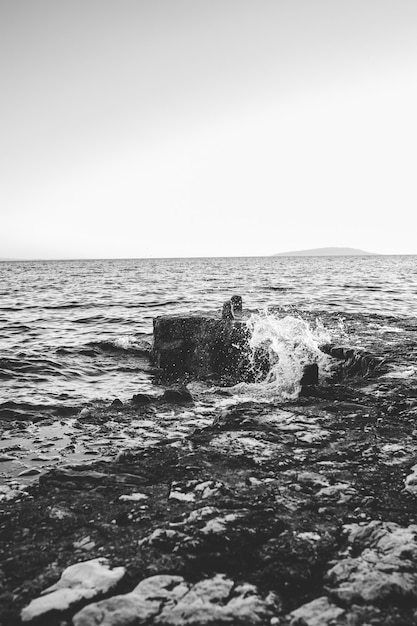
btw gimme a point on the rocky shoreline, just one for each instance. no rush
(254, 512)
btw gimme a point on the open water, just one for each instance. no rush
(77, 331)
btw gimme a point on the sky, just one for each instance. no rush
(187, 128)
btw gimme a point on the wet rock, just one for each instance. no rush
(319, 612)
(227, 311)
(237, 304)
(354, 362)
(137, 607)
(170, 601)
(82, 581)
(310, 375)
(141, 399)
(202, 346)
(177, 395)
(60, 513)
(217, 601)
(12, 493)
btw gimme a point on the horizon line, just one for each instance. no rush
(160, 258)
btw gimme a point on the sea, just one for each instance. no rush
(79, 331)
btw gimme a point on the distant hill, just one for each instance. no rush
(326, 252)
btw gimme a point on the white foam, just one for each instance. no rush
(291, 343)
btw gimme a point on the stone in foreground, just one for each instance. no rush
(170, 601)
(79, 582)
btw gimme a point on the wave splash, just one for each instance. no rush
(286, 345)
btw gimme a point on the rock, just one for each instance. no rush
(384, 567)
(170, 601)
(354, 362)
(140, 399)
(310, 375)
(134, 608)
(227, 311)
(81, 581)
(203, 346)
(319, 612)
(116, 404)
(177, 395)
(217, 601)
(237, 304)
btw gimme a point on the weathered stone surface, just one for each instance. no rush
(353, 361)
(82, 581)
(177, 395)
(170, 601)
(227, 311)
(134, 608)
(310, 375)
(237, 304)
(385, 567)
(203, 346)
(319, 612)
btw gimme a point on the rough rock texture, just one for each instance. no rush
(81, 581)
(354, 362)
(384, 568)
(319, 612)
(203, 346)
(170, 601)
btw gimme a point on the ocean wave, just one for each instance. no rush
(287, 344)
(22, 364)
(11, 410)
(126, 344)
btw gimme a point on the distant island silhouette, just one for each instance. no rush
(325, 252)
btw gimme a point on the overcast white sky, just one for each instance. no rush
(135, 128)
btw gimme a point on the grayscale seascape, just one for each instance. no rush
(208, 313)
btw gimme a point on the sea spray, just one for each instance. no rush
(280, 348)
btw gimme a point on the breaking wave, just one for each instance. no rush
(280, 350)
